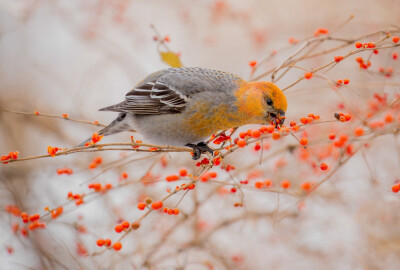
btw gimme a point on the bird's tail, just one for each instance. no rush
(116, 126)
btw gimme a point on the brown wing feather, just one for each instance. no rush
(151, 98)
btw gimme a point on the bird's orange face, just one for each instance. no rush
(263, 101)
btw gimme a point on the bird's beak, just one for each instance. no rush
(277, 119)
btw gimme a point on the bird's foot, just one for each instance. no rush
(199, 149)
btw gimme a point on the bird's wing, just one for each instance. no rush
(169, 90)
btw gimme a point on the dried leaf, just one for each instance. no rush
(171, 58)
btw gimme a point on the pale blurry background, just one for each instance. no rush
(78, 56)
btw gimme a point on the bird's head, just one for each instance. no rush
(263, 102)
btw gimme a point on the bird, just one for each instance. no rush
(185, 106)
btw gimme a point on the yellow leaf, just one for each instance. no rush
(171, 58)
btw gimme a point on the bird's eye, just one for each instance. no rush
(269, 102)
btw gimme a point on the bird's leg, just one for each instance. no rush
(199, 149)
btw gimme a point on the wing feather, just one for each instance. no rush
(169, 90)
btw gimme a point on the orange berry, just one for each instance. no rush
(359, 131)
(268, 183)
(360, 60)
(338, 58)
(241, 143)
(119, 228)
(157, 205)
(306, 186)
(252, 64)
(124, 175)
(255, 133)
(276, 135)
(338, 143)
(332, 136)
(395, 55)
(304, 141)
(395, 39)
(176, 211)
(347, 116)
(388, 118)
(342, 119)
(98, 160)
(303, 120)
(285, 184)
(308, 75)
(100, 242)
(141, 206)
(92, 165)
(358, 45)
(346, 81)
(170, 211)
(270, 128)
(258, 184)
(96, 137)
(107, 242)
(321, 31)
(323, 166)
(396, 188)
(212, 174)
(183, 172)
(117, 246)
(125, 224)
(171, 178)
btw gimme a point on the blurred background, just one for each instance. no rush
(75, 57)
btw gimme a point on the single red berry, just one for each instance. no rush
(141, 206)
(117, 246)
(100, 242)
(304, 141)
(323, 166)
(183, 172)
(285, 184)
(255, 133)
(252, 64)
(119, 228)
(241, 143)
(308, 75)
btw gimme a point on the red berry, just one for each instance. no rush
(117, 246)
(304, 141)
(157, 205)
(323, 166)
(141, 206)
(241, 143)
(285, 184)
(308, 75)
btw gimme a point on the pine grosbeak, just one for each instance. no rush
(184, 106)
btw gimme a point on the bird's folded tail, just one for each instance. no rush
(116, 126)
